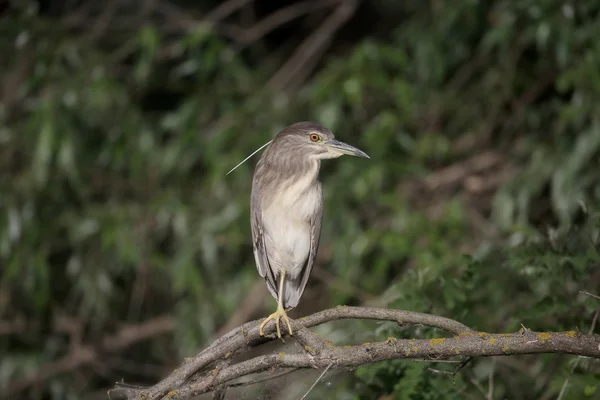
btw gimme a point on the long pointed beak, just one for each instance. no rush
(345, 148)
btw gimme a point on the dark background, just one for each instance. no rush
(124, 247)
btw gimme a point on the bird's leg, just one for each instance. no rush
(280, 313)
(280, 308)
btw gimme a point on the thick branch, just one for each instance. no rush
(383, 314)
(468, 344)
(320, 353)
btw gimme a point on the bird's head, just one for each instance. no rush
(309, 140)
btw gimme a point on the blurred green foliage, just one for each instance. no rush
(115, 207)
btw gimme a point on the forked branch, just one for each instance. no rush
(214, 368)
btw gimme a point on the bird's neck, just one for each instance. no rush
(293, 190)
(305, 170)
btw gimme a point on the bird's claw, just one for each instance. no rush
(276, 316)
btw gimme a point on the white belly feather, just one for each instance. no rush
(287, 225)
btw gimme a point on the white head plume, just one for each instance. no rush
(245, 159)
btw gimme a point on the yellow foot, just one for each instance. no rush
(277, 315)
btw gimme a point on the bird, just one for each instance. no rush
(286, 211)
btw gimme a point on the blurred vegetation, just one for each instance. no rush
(481, 200)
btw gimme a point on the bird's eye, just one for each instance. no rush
(314, 137)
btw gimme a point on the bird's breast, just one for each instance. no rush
(287, 220)
(298, 197)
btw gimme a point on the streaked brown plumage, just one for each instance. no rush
(287, 208)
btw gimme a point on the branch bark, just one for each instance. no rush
(214, 369)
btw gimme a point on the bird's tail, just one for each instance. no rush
(292, 291)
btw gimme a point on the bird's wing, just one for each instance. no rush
(315, 233)
(258, 244)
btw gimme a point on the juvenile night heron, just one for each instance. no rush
(286, 210)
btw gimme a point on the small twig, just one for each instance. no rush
(576, 363)
(566, 382)
(317, 381)
(426, 360)
(590, 294)
(451, 373)
(440, 372)
(463, 364)
(490, 393)
(265, 379)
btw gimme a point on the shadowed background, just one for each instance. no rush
(124, 247)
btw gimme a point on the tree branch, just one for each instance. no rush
(85, 354)
(293, 72)
(194, 377)
(274, 20)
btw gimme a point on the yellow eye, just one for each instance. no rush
(314, 137)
